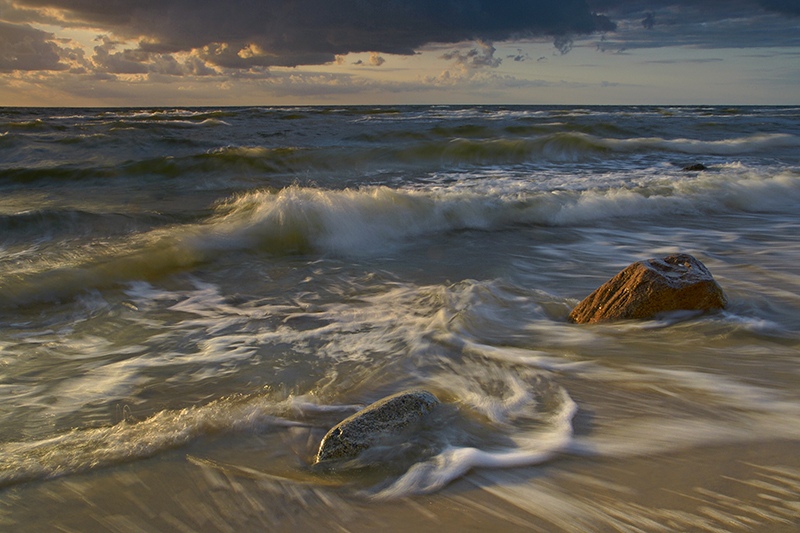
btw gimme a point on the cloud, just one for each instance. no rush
(479, 57)
(692, 10)
(125, 62)
(563, 44)
(616, 7)
(520, 56)
(787, 7)
(376, 60)
(259, 34)
(25, 48)
(707, 24)
(203, 46)
(265, 33)
(685, 61)
(108, 60)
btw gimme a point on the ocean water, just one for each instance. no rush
(190, 298)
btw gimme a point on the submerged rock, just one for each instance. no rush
(374, 424)
(695, 167)
(647, 288)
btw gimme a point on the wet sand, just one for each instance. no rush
(754, 487)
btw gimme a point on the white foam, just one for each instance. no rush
(736, 412)
(659, 436)
(363, 221)
(372, 220)
(530, 448)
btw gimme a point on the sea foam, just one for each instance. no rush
(376, 219)
(528, 448)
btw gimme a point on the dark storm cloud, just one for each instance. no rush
(257, 34)
(706, 24)
(787, 7)
(245, 33)
(712, 9)
(26, 48)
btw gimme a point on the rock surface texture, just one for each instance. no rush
(647, 288)
(375, 423)
(696, 167)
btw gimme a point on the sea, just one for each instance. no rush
(190, 298)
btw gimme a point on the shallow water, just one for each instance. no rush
(191, 298)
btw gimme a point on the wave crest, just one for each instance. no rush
(377, 220)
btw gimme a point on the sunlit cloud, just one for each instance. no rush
(319, 49)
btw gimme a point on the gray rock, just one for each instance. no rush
(375, 424)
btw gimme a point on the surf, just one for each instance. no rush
(374, 221)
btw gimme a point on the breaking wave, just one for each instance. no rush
(378, 220)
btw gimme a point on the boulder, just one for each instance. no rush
(374, 424)
(647, 288)
(694, 167)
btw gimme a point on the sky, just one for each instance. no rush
(308, 52)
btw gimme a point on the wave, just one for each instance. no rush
(371, 220)
(502, 405)
(168, 115)
(224, 161)
(58, 174)
(150, 123)
(420, 150)
(81, 450)
(736, 146)
(365, 221)
(493, 414)
(152, 168)
(446, 150)
(529, 420)
(47, 224)
(575, 146)
(26, 125)
(374, 220)
(559, 146)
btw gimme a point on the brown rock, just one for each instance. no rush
(647, 288)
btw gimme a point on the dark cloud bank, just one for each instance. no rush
(265, 33)
(247, 33)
